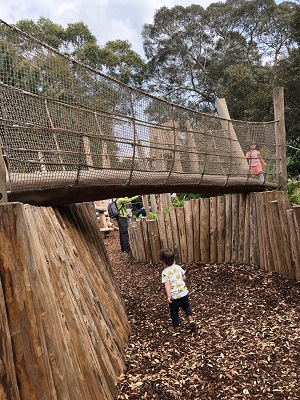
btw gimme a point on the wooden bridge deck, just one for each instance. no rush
(102, 184)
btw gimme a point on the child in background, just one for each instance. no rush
(255, 161)
(140, 213)
(173, 276)
(129, 212)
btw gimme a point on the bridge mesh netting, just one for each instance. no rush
(65, 124)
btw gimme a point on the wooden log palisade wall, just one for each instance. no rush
(63, 325)
(257, 228)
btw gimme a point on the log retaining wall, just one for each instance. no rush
(257, 228)
(63, 325)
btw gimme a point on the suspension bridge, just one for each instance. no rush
(71, 134)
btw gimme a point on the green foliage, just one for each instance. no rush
(152, 216)
(123, 63)
(68, 41)
(295, 199)
(292, 186)
(175, 45)
(196, 55)
(166, 209)
(44, 30)
(293, 189)
(76, 36)
(295, 24)
(178, 202)
(293, 162)
(116, 58)
(175, 203)
(16, 71)
(237, 80)
(189, 196)
(288, 76)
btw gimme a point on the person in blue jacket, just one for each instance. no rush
(141, 212)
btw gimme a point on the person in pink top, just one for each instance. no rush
(255, 161)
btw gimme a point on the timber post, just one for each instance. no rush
(280, 137)
(153, 203)
(145, 198)
(241, 164)
(3, 187)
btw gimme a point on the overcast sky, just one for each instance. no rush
(106, 19)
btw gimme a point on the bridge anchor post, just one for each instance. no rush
(3, 186)
(280, 137)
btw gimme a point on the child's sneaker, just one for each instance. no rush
(191, 322)
(174, 330)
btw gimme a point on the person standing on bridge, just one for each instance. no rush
(123, 222)
(255, 161)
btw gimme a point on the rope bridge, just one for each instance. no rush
(71, 134)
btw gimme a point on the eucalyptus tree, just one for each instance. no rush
(116, 58)
(44, 30)
(230, 49)
(288, 75)
(177, 46)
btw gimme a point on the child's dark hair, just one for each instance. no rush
(167, 256)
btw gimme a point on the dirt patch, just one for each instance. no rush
(247, 342)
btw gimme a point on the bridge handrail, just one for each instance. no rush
(65, 124)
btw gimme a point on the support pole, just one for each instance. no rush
(3, 187)
(280, 137)
(153, 203)
(145, 198)
(240, 163)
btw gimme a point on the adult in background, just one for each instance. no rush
(123, 223)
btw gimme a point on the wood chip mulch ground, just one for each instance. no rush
(247, 341)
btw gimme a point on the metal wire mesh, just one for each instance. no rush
(65, 124)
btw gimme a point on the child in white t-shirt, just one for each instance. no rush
(173, 276)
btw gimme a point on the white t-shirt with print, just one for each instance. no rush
(174, 274)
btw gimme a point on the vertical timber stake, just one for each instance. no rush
(3, 188)
(280, 137)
